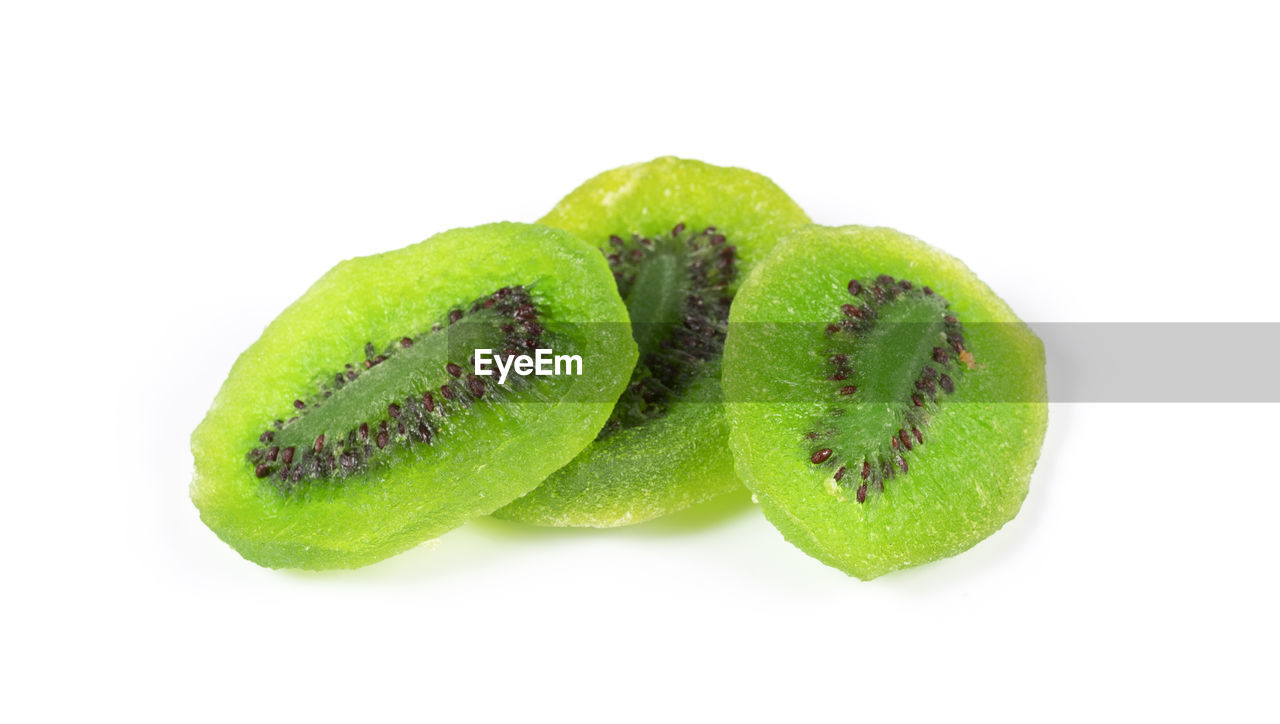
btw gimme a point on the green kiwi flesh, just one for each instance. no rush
(355, 427)
(886, 407)
(679, 236)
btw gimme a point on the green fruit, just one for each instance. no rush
(679, 236)
(356, 427)
(886, 407)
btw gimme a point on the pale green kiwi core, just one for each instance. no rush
(346, 425)
(894, 353)
(677, 291)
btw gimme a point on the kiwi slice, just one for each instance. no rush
(886, 407)
(357, 425)
(679, 235)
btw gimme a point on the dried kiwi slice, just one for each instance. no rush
(886, 407)
(357, 427)
(679, 235)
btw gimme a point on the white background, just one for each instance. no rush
(173, 174)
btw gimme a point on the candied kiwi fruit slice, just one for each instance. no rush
(357, 427)
(886, 407)
(679, 236)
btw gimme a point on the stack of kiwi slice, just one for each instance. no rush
(884, 406)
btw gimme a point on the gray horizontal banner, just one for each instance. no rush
(1086, 362)
(1161, 362)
